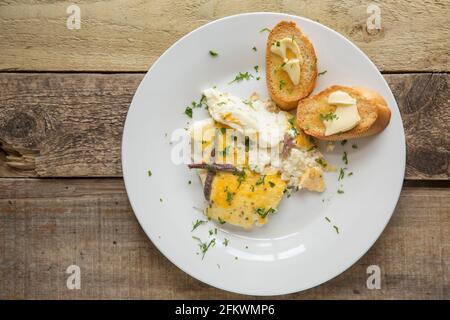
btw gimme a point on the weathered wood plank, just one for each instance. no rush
(61, 125)
(129, 35)
(48, 224)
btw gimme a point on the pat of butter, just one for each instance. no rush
(340, 97)
(290, 66)
(346, 116)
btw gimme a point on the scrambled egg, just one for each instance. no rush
(268, 153)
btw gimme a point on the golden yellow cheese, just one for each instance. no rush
(244, 200)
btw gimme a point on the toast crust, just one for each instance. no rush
(288, 95)
(372, 108)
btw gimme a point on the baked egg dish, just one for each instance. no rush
(248, 154)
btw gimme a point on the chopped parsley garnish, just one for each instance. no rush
(241, 177)
(341, 174)
(278, 43)
(229, 196)
(350, 174)
(340, 191)
(328, 116)
(282, 84)
(254, 49)
(202, 102)
(263, 213)
(252, 188)
(211, 232)
(322, 162)
(256, 68)
(242, 76)
(213, 53)
(188, 112)
(258, 78)
(225, 242)
(271, 184)
(223, 130)
(322, 73)
(249, 103)
(160, 200)
(354, 146)
(283, 64)
(344, 158)
(343, 142)
(261, 180)
(204, 246)
(189, 182)
(337, 229)
(149, 172)
(221, 221)
(264, 29)
(197, 224)
(328, 219)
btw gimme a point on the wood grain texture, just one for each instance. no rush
(48, 224)
(70, 125)
(129, 35)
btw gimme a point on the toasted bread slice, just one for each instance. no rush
(372, 108)
(281, 89)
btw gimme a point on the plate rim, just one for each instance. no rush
(279, 292)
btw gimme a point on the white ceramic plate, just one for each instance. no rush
(298, 248)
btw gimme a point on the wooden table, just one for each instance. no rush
(64, 95)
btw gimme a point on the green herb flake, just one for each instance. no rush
(263, 213)
(221, 221)
(322, 73)
(254, 49)
(229, 197)
(282, 84)
(341, 174)
(204, 246)
(343, 142)
(241, 76)
(160, 200)
(188, 112)
(271, 184)
(213, 53)
(197, 223)
(256, 68)
(328, 219)
(261, 180)
(322, 162)
(344, 158)
(340, 191)
(354, 146)
(264, 29)
(258, 78)
(350, 174)
(328, 116)
(225, 242)
(241, 177)
(337, 229)
(149, 173)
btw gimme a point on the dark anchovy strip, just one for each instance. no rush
(208, 184)
(212, 170)
(215, 167)
(288, 144)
